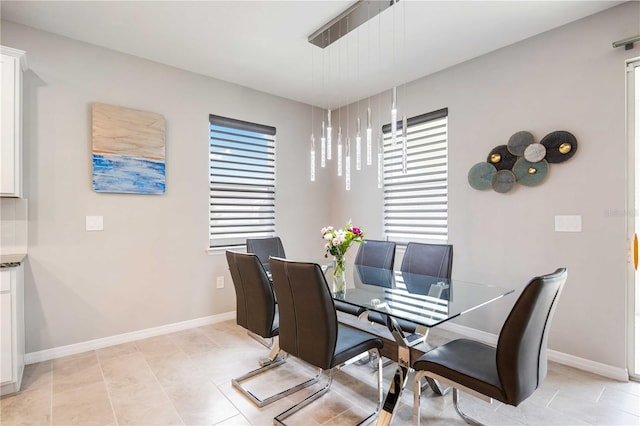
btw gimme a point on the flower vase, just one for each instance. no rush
(339, 279)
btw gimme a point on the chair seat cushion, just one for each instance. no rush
(352, 342)
(406, 326)
(467, 362)
(348, 308)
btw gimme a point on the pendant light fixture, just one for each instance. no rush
(337, 28)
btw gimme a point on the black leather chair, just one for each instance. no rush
(309, 328)
(264, 248)
(257, 311)
(373, 253)
(424, 259)
(511, 371)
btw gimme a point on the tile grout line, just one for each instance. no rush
(158, 380)
(51, 400)
(552, 398)
(106, 386)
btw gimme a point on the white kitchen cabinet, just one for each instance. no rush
(13, 66)
(11, 329)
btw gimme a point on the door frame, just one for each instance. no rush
(632, 210)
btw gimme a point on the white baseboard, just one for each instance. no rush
(605, 370)
(76, 348)
(594, 367)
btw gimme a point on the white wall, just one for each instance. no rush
(566, 79)
(149, 266)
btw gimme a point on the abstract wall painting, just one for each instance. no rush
(128, 150)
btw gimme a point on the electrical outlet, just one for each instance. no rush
(220, 282)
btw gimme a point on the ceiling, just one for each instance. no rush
(263, 44)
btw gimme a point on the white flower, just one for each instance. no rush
(328, 236)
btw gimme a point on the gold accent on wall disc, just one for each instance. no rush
(565, 148)
(532, 170)
(495, 158)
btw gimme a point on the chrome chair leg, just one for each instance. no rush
(417, 388)
(273, 354)
(278, 420)
(262, 402)
(456, 405)
(268, 343)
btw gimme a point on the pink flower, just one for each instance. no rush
(356, 231)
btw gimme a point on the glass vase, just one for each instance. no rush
(339, 279)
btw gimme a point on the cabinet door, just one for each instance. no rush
(6, 339)
(8, 143)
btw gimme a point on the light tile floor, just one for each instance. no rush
(185, 379)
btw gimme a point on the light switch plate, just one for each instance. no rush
(94, 223)
(569, 223)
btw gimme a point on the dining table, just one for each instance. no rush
(424, 300)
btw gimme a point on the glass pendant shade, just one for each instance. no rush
(339, 151)
(323, 148)
(312, 159)
(380, 141)
(329, 134)
(358, 146)
(369, 136)
(394, 116)
(347, 165)
(404, 144)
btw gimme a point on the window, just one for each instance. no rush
(242, 181)
(415, 203)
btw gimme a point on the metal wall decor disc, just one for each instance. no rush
(556, 144)
(506, 161)
(503, 181)
(535, 152)
(518, 142)
(530, 174)
(480, 175)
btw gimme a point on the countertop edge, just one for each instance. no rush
(14, 259)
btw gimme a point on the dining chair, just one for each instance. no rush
(434, 260)
(257, 312)
(375, 254)
(264, 248)
(510, 372)
(309, 328)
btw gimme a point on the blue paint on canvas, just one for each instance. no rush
(128, 174)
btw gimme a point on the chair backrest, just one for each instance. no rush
(378, 254)
(255, 300)
(308, 320)
(521, 354)
(374, 254)
(264, 248)
(428, 259)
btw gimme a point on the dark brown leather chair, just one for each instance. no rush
(264, 248)
(509, 372)
(257, 311)
(373, 253)
(309, 328)
(434, 260)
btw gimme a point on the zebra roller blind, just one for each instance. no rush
(415, 203)
(242, 181)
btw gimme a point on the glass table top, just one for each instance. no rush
(421, 299)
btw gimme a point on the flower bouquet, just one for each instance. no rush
(337, 244)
